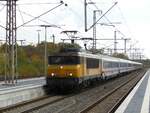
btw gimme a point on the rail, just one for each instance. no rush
(112, 110)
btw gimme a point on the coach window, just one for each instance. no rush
(107, 64)
(92, 63)
(66, 60)
(115, 64)
(123, 65)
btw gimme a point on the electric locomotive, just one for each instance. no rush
(72, 67)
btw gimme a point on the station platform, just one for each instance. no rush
(23, 83)
(138, 101)
(23, 90)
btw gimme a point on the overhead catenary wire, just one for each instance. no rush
(94, 3)
(116, 30)
(100, 13)
(2, 27)
(31, 15)
(39, 3)
(49, 3)
(2, 8)
(77, 14)
(20, 14)
(102, 16)
(61, 3)
(110, 22)
(115, 27)
(124, 19)
(107, 19)
(34, 17)
(0, 11)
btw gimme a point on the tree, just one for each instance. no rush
(120, 55)
(69, 45)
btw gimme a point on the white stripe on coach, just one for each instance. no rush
(145, 104)
(125, 103)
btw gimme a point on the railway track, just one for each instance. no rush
(30, 106)
(113, 98)
(89, 100)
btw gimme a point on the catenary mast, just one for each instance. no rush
(11, 45)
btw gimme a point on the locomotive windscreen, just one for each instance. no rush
(65, 60)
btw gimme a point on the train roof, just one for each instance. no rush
(83, 53)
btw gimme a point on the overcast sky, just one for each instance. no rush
(132, 15)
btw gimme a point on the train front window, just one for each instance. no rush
(65, 60)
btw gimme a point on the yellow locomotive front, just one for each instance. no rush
(64, 70)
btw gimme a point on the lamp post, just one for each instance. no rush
(45, 46)
(38, 31)
(115, 36)
(115, 42)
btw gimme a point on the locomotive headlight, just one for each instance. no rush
(52, 74)
(61, 67)
(70, 74)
